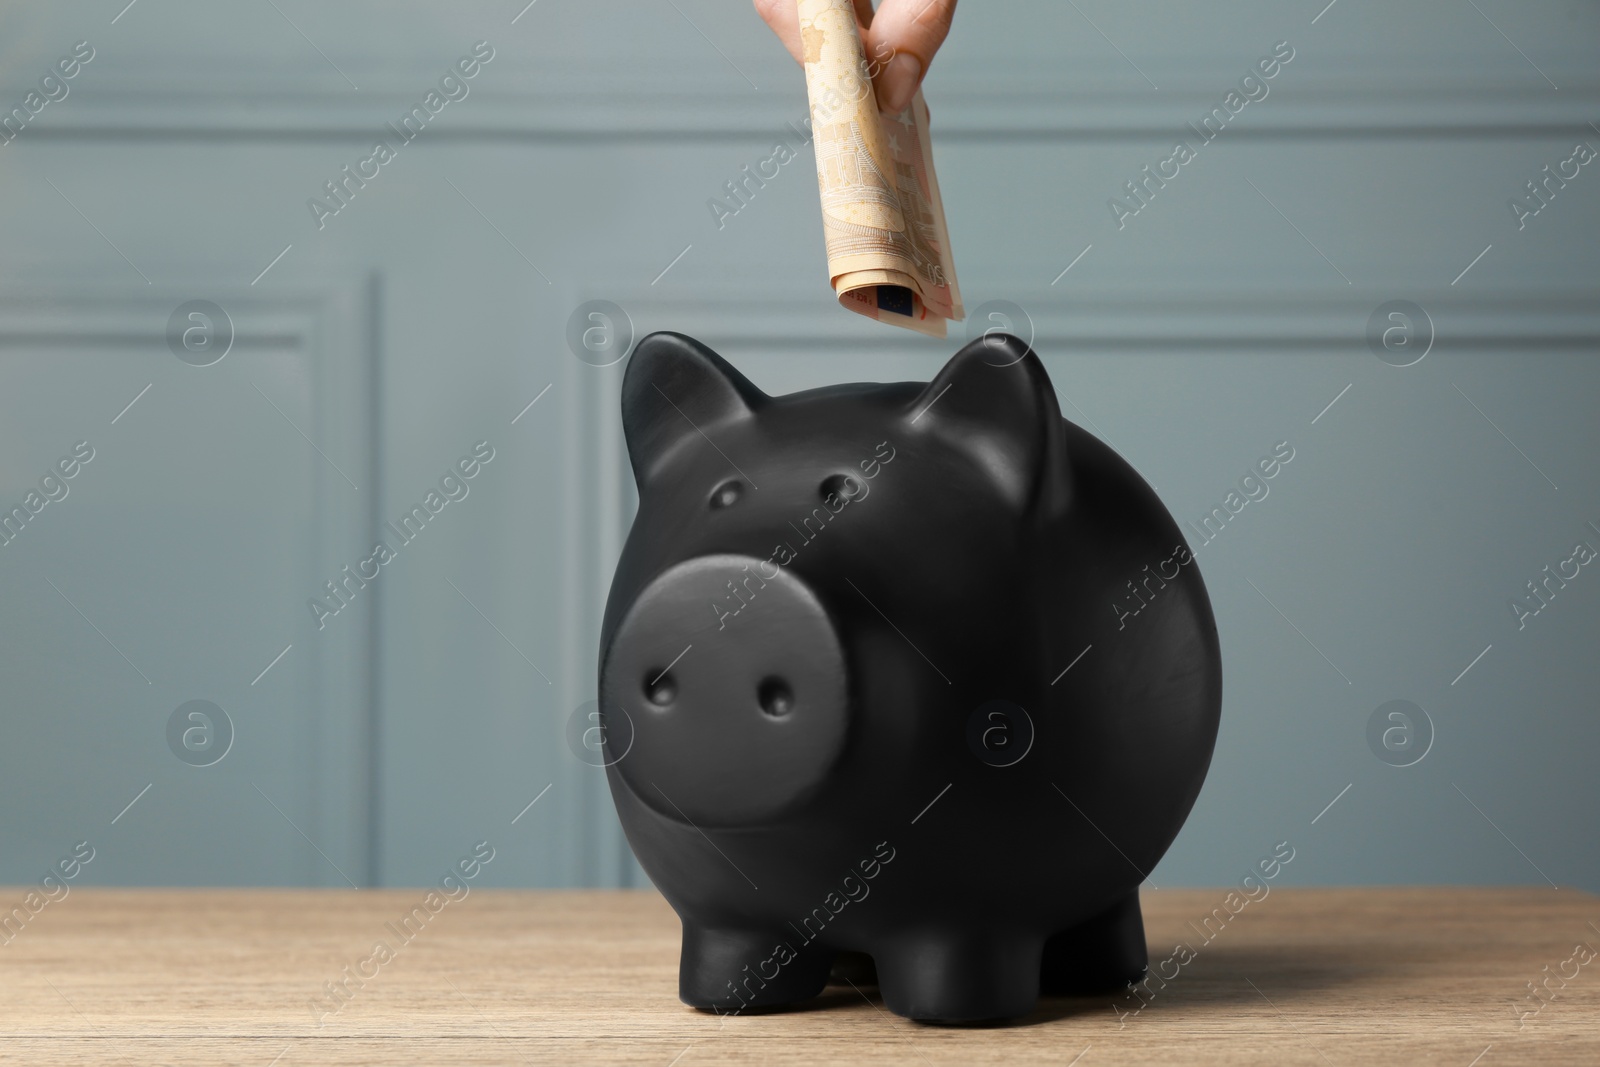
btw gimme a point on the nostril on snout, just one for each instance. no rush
(843, 486)
(660, 688)
(775, 697)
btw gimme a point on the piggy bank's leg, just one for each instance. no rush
(1101, 955)
(731, 971)
(960, 976)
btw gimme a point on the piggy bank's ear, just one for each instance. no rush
(994, 401)
(676, 387)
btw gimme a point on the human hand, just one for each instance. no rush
(900, 38)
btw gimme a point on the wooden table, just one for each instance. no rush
(1409, 976)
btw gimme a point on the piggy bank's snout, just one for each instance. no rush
(732, 676)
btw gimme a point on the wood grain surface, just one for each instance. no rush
(1304, 976)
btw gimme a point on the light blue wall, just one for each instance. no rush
(1221, 319)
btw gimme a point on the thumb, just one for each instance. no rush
(901, 43)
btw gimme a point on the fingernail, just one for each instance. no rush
(898, 82)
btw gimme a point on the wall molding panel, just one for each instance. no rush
(322, 698)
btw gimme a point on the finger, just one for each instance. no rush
(915, 26)
(863, 13)
(784, 19)
(908, 33)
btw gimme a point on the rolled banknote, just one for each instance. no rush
(882, 219)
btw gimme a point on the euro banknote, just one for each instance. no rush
(882, 218)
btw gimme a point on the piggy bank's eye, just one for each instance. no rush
(842, 486)
(726, 494)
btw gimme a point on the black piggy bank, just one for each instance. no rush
(916, 672)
